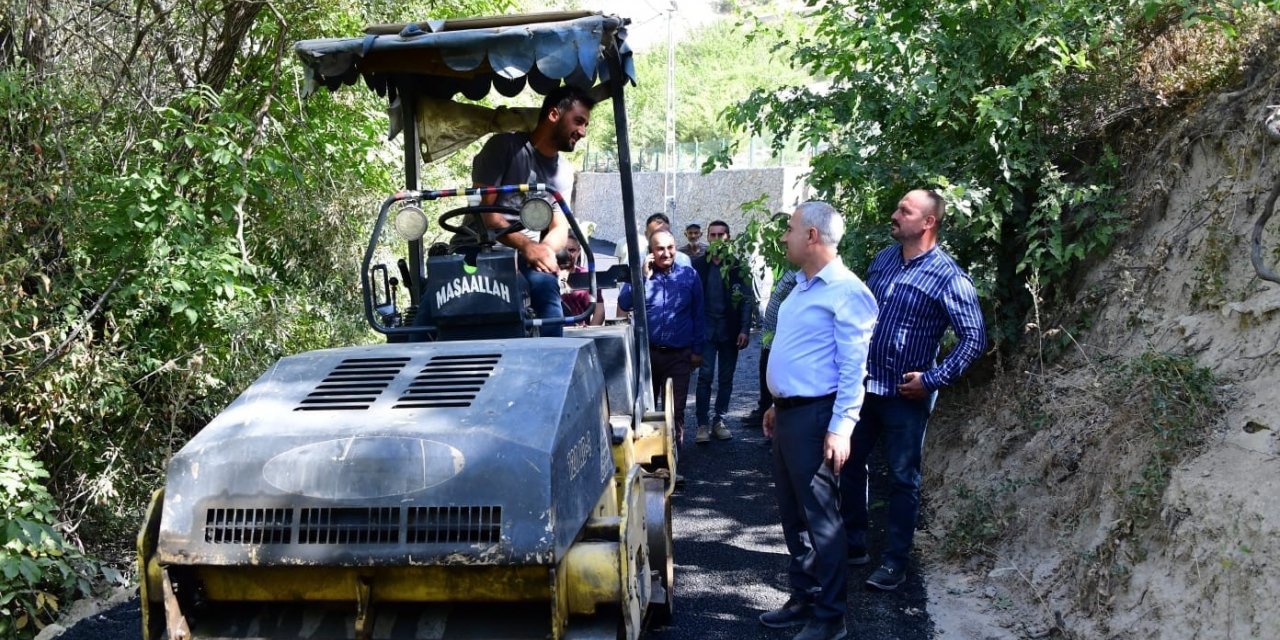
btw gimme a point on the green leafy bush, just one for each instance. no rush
(38, 569)
(998, 104)
(983, 515)
(163, 242)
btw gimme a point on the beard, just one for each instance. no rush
(897, 233)
(564, 139)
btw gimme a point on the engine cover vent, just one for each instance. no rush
(353, 385)
(373, 525)
(449, 381)
(248, 526)
(355, 525)
(454, 525)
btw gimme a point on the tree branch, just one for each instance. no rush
(61, 349)
(237, 20)
(1255, 250)
(181, 70)
(282, 40)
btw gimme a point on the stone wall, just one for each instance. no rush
(699, 198)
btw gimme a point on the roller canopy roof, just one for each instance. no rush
(443, 58)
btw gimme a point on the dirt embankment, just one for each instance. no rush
(1131, 487)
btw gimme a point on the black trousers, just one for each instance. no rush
(676, 365)
(809, 503)
(766, 398)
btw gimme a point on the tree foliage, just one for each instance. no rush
(980, 99)
(716, 66)
(176, 218)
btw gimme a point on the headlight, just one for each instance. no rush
(411, 223)
(536, 214)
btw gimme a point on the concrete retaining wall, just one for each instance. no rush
(699, 198)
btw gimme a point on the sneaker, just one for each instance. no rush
(704, 434)
(816, 629)
(721, 431)
(858, 557)
(887, 578)
(792, 614)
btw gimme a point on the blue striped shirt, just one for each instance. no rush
(918, 300)
(824, 327)
(673, 307)
(781, 289)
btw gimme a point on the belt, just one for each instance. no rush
(661, 347)
(800, 401)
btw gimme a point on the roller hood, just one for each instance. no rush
(366, 454)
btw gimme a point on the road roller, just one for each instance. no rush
(464, 477)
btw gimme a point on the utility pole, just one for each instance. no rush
(669, 152)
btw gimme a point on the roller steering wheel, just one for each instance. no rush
(469, 233)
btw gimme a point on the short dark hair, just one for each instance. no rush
(562, 98)
(939, 205)
(657, 216)
(719, 223)
(693, 225)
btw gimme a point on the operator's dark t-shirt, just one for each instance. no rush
(509, 158)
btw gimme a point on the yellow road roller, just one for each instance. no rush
(466, 478)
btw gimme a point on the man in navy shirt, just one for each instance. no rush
(920, 291)
(673, 303)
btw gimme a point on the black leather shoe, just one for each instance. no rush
(816, 629)
(887, 578)
(792, 614)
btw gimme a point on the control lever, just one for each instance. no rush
(394, 295)
(404, 273)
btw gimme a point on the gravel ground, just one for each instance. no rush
(730, 557)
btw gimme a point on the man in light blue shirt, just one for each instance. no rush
(818, 362)
(921, 291)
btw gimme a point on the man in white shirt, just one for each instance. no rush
(817, 364)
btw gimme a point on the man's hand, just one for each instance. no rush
(766, 422)
(540, 257)
(836, 451)
(696, 360)
(646, 267)
(742, 340)
(912, 387)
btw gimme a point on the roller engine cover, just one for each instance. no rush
(478, 452)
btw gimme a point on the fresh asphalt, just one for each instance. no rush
(729, 554)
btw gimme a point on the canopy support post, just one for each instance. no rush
(635, 254)
(412, 166)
